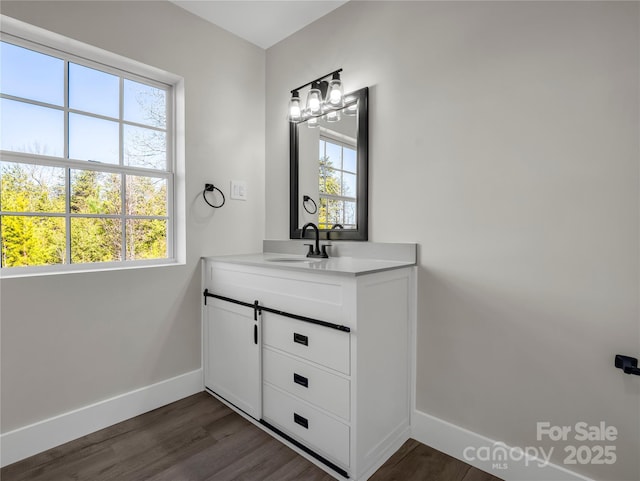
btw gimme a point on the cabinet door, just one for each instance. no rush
(233, 355)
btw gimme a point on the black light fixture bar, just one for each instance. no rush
(316, 80)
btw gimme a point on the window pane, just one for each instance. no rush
(146, 239)
(145, 148)
(322, 214)
(334, 154)
(144, 104)
(348, 185)
(31, 128)
(94, 91)
(31, 75)
(31, 188)
(32, 241)
(335, 212)
(95, 192)
(93, 139)
(330, 212)
(349, 215)
(146, 196)
(322, 175)
(329, 181)
(95, 239)
(349, 159)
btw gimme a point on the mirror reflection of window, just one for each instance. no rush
(337, 180)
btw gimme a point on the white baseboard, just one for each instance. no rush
(391, 444)
(454, 440)
(35, 438)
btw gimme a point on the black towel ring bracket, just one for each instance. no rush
(212, 188)
(306, 199)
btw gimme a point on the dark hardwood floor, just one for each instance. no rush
(197, 439)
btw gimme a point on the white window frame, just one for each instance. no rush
(35, 38)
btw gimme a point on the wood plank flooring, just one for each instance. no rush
(200, 439)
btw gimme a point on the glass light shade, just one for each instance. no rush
(295, 112)
(314, 101)
(333, 116)
(351, 110)
(335, 97)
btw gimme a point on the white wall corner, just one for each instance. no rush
(506, 462)
(35, 438)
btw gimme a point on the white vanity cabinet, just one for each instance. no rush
(334, 356)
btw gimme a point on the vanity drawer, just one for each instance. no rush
(323, 345)
(318, 431)
(324, 389)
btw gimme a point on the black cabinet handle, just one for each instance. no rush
(628, 364)
(255, 334)
(304, 422)
(298, 379)
(300, 339)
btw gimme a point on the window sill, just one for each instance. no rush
(36, 271)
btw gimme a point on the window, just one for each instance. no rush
(337, 181)
(87, 168)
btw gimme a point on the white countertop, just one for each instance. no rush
(333, 265)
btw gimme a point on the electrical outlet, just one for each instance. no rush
(238, 190)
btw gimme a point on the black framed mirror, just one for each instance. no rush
(329, 165)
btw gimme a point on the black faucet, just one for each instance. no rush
(335, 226)
(315, 252)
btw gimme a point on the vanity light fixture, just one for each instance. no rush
(314, 99)
(335, 97)
(325, 96)
(295, 112)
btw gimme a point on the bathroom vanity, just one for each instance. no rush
(315, 351)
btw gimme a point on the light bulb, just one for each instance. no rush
(314, 105)
(314, 100)
(295, 113)
(335, 97)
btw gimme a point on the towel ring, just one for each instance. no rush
(305, 199)
(212, 188)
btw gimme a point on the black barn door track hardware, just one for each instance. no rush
(628, 364)
(257, 310)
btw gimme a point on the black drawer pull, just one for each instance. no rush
(304, 422)
(300, 339)
(298, 379)
(628, 364)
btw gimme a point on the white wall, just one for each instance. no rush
(74, 339)
(504, 140)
